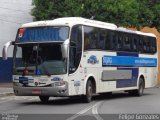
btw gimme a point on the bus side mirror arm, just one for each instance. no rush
(5, 49)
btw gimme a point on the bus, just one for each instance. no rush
(73, 56)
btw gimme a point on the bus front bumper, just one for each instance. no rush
(56, 91)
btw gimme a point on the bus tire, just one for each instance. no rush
(44, 99)
(89, 91)
(140, 90)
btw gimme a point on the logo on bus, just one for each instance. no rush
(56, 79)
(107, 60)
(21, 32)
(93, 59)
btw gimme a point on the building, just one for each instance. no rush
(13, 13)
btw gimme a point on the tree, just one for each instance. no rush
(128, 13)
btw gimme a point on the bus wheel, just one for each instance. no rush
(89, 91)
(44, 99)
(140, 90)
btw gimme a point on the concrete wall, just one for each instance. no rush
(13, 13)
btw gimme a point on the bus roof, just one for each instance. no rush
(134, 32)
(70, 21)
(146, 34)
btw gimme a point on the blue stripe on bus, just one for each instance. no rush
(128, 61)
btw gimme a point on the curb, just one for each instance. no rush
(6, 91)
(6, 94)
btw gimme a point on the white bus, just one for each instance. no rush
(76, 56)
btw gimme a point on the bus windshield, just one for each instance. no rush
(38, 59)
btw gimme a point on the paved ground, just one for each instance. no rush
(6, 89)
(6, 85)
(75, 109)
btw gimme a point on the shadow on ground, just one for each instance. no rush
(78, 99)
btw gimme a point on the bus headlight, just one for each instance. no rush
(16, 84)
(59, 83)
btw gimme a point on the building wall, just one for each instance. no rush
(13, 13)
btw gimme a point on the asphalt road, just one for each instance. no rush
(119, 103)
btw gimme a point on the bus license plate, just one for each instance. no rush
(36, 92)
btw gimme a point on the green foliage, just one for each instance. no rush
(130, 13)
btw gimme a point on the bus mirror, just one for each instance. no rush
(64, 49)
(5, 49)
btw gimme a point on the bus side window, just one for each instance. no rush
(120, 39)
(113, 41)
(140, 45)
(153, 45)
(148, 45)
(134, 44)
(108, 43)
(144, 44)
(75, 48)
(90, 38)
(86, 41)
(87, 37)
(126, 43)
(93, 39)
(101, 39)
